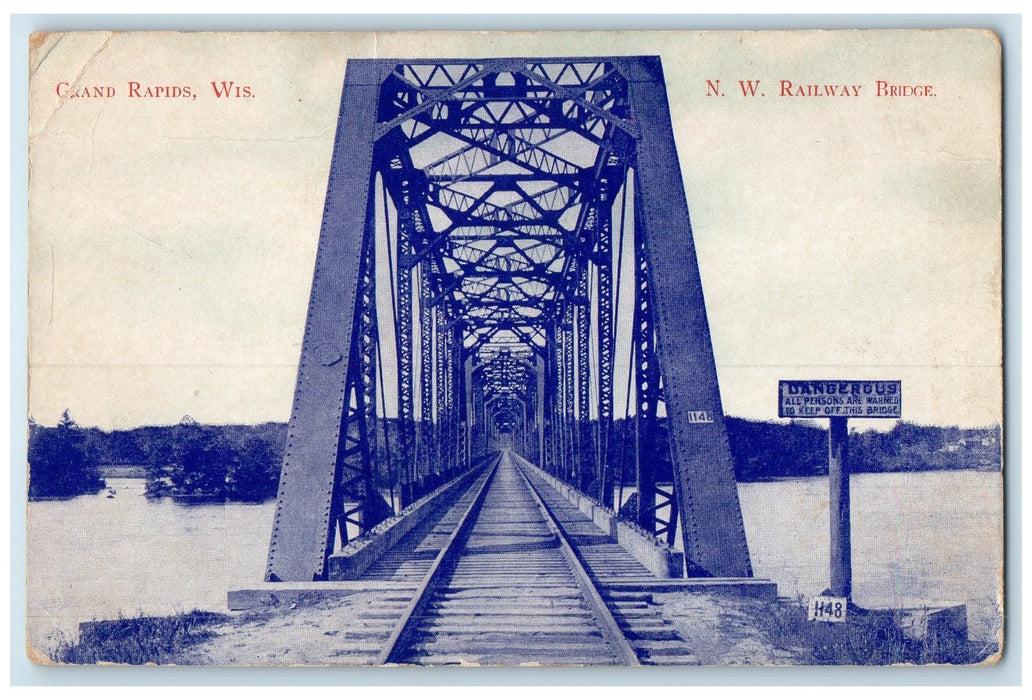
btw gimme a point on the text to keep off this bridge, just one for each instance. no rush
(843, 398)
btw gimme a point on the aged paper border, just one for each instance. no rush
(1006, 673)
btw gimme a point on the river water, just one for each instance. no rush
(926, 538)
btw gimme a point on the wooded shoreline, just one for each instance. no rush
(193, 462)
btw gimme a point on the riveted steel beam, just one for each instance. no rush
(711, 516)
(502, 174)
(301, 528)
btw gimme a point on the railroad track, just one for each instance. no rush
(506, 588)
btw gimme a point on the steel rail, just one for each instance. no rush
(399, 635)
(610, 628)
(616, 642)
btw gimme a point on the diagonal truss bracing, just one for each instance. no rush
(501, 188)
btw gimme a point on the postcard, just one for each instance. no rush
(515, 348)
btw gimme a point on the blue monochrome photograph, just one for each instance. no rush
(515, 349)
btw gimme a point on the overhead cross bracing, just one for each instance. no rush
(505, 253)
(507, 158)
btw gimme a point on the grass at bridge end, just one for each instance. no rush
(722, 630)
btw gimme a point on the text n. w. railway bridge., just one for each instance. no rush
(507, 321)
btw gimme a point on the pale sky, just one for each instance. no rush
(172, 241)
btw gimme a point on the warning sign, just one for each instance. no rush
(842, 398)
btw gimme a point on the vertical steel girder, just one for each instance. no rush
(316, 438)
(605, 348)
(489, 262)
(704, 479)
(406, 399)
(442, 395)
(552, 400)
(427, 441)
(541, 411)
(570, 467)
(455, 404)
(471, 418)
(649, 455)
(587, 459)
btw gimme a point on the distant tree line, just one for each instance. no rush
(62, 461)
(188, 461)
(769, 450)
(763, 450)
(909, 447)
(192, 462)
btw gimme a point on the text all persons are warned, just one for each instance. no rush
(830, 398)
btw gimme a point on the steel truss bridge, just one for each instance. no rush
(506, 262)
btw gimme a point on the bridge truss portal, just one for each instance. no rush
(506, 260)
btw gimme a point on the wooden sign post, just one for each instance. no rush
(839, 400)
(838, 480)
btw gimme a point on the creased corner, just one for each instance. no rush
(74, 82)
(40, 48)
